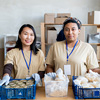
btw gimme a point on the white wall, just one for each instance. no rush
(14, 13)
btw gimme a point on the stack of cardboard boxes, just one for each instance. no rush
(59, 18)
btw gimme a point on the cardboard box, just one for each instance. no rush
(60, 20)
(94, 17)
(63, 14)
(49, 17)
(82, 34)
(51, 35)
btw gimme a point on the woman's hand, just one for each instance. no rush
(5, 80)
(36, 77)
(96, 70)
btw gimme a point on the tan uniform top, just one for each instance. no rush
(82, 58)
(20, 70)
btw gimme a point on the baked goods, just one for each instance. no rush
(81, 80)
(89, 80)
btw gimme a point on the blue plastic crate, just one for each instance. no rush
(0, 92)
(18, 93)
(85, 93)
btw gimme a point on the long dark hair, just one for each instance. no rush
(33, 45)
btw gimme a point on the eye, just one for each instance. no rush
(73, 29)
(25, 33)
(66, 29)
(31, 34)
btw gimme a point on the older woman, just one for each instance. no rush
(72, 55)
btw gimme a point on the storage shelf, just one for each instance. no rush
(9, 42)
(98, 44)
(90, 24)
(61, 24)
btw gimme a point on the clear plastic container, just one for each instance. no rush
(56, 88)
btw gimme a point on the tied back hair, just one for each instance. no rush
(33, 45)
(72, 20)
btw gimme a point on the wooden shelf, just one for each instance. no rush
(98, 44)
(82, 24)
(90, 24)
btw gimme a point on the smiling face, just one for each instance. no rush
(27, 37)
(71, 32)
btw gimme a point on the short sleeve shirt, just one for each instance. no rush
(82, 58)
(20, 70)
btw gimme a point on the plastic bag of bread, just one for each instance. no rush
(92, 76)
(80, 80)
(60, 76)
(88, 85)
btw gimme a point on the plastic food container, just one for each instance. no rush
(56, 88)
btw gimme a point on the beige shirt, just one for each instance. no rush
(82, 58)
(20, 70)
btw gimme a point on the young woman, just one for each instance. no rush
(72, 55)
(25, 60)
